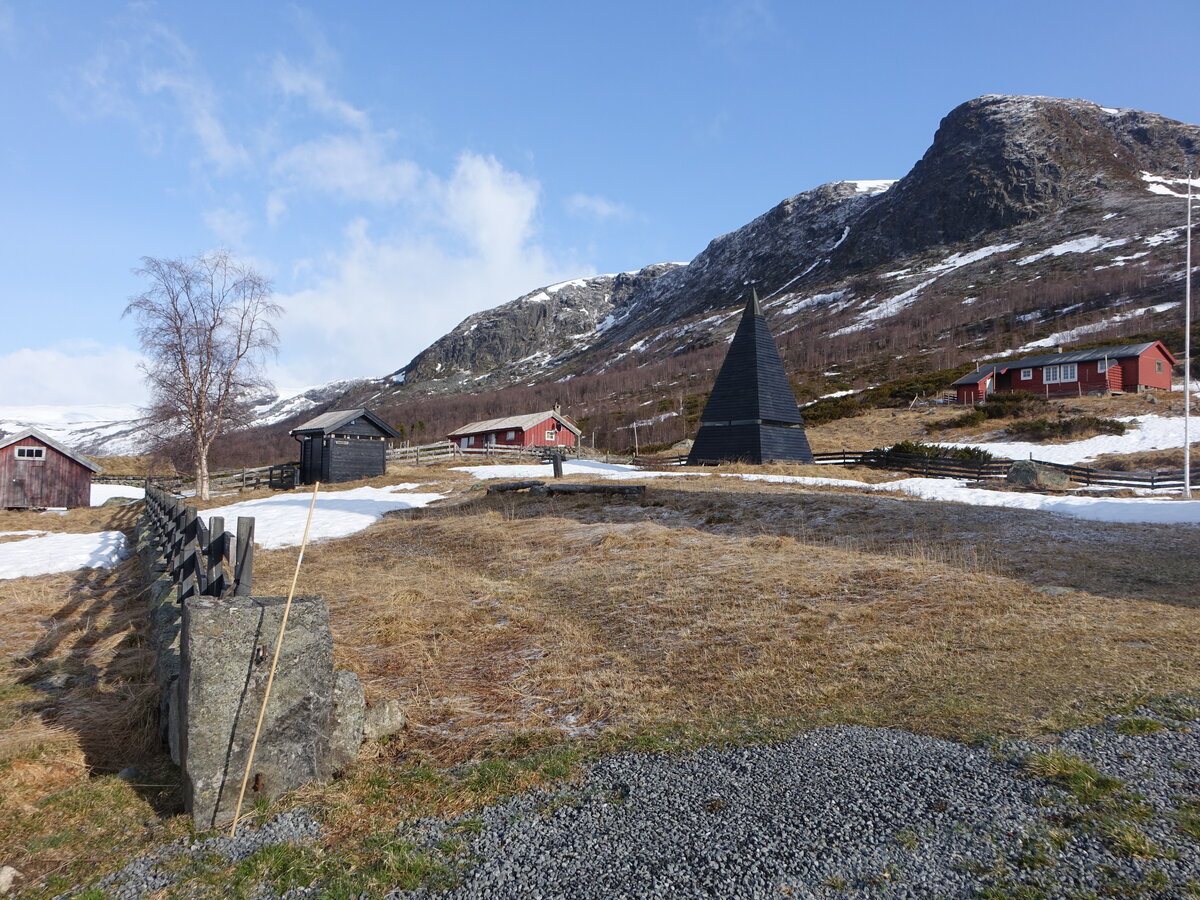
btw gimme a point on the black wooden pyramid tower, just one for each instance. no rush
(752, 414)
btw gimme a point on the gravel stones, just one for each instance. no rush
(837, 812)
(157, 870)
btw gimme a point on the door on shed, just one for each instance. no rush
(17, 495)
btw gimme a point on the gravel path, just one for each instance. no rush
(844, 812)
(838, 812)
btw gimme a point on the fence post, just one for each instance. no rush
(216, 556)
(244, 576)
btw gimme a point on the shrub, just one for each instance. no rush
(1078, 427)
(831, 409)
(916, 448)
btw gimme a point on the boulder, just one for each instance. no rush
(8, 878)
(384, 717)
(1036, 476)
(349, 715)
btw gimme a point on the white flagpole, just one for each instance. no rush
(1187, 354)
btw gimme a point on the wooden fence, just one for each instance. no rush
(443, 451)
(973, 469)
(204, 560)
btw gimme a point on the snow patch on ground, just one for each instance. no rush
(279, 520)
(103, 492)
(608, 471)
(885, 310)
(44, 554)
(1089, 244)
(1065, 337)
(1157, 510)
(871, 186)
(958, 260)
(1143, 433)
(1170, 187)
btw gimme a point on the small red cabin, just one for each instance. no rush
(540, 429)
(1130, 367)
(37, 471)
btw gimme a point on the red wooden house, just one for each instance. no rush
(1130, 367)
(541, 429)
(37, 471)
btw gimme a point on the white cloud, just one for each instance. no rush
(350, 167)
(296, 81)
(152, 60)
(81, 372)
(229, 226)
(383, 299)
(593, 206)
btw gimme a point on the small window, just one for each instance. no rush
(1158, 366)
(1068, 372)
(1103, 366)
(550, 435)
(471, 441)
(1050, 375)
(31, 453)
(510, 435)
(1027, 374)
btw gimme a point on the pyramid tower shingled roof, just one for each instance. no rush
(751, 414)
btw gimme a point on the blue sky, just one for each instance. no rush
(394, 167)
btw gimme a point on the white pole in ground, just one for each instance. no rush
(1187, 354)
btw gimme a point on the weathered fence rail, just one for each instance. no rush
(203, 560)
(974, 469)
(442, 451)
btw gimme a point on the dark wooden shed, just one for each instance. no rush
(751, 414)
(343, 445)
(37, 471)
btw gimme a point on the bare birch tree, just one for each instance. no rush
(205, 328)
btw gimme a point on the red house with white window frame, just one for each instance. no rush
(541, 429)
(1131, 368)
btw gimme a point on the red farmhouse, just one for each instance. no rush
(541, 429)
(36, 471)
(1131, 367)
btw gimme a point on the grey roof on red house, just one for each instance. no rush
(1124, 351)
(522, 423)
(49, 442)
(330, 422)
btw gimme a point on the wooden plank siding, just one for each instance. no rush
(53, 481)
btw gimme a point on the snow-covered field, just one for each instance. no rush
(103, 492)
(1100, 509)
(41, 553)
(1161, 510)
(610, 471)
(279, 521)
(1143, 433)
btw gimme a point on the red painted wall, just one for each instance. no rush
(56, 480)
(1146, 369)
(532, 437)
(1128, 374)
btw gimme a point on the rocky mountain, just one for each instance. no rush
(535, 332)
(1027, 218)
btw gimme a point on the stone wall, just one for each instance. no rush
(213, 660)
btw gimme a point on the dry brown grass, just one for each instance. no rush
(506, 617)
(77, 704)
(884, 427)
(134, 466)
(713, 605)
(1148, 461)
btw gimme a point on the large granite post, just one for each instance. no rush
(226, 650)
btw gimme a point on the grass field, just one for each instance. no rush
(526, 635)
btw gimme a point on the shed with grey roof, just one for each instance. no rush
(38, 472)
(343, 445)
